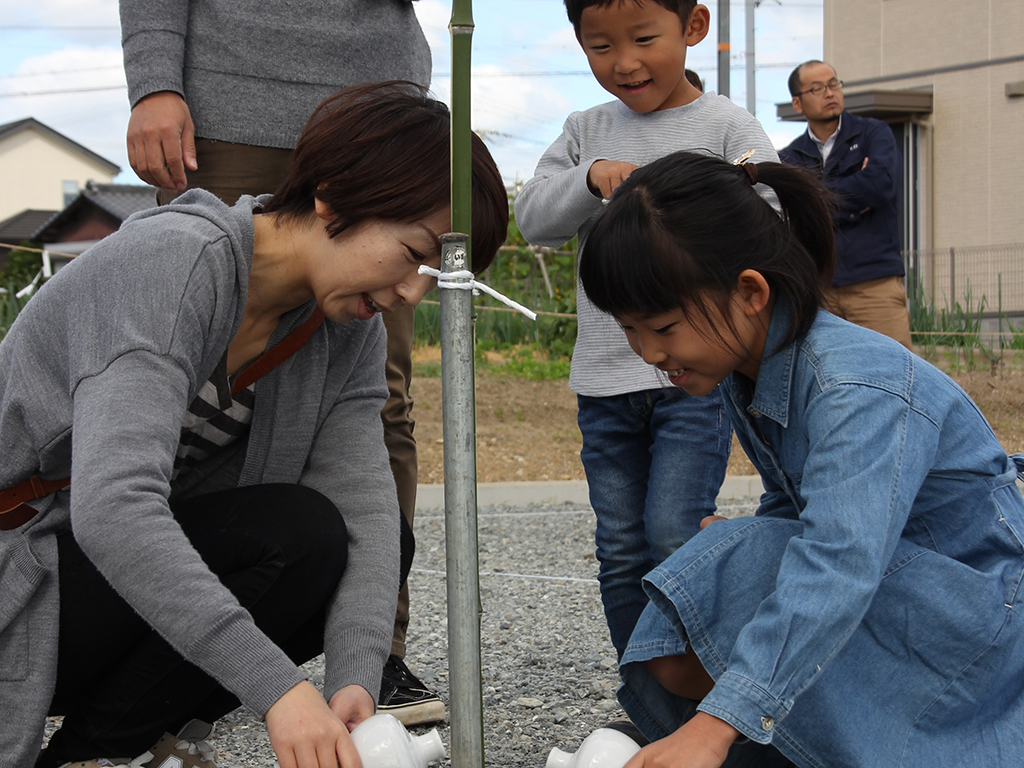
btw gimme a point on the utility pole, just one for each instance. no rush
(723, 47)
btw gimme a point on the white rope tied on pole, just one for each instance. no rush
(462, 280)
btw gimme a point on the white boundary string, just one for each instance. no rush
(463, 281)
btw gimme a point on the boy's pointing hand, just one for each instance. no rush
(606, 175)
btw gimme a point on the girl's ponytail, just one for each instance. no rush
(678, 232)
(807, 207)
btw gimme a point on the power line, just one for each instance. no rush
(48, 27)
(64, 71)
(588, 73)
(18, 94)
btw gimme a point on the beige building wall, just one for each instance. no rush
(973, 142)
(33, 168)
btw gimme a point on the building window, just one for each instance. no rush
(70, 192)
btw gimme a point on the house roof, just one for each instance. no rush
(119, 200)
(21, 226)
(10, 129)
(891, 106)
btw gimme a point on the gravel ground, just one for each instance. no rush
(549, 669)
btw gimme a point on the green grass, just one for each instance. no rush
(522, 362)
(10, 306)
(956, 329)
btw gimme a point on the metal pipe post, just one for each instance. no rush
(459, 403)
(723, 47)
(463, 573)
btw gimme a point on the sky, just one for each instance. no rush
(60, 62)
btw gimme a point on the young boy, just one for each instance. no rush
(654, 456)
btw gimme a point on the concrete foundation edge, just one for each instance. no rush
(508, 494)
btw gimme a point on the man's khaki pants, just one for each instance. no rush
(879, 304)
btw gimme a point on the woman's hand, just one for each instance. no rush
(306, 733)
(352, 704)
(701, 742)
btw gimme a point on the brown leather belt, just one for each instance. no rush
(14, 512)
(17, 517)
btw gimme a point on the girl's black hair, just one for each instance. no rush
(678, 232)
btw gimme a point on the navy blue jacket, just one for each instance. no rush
(866, 224)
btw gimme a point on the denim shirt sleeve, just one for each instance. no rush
(858, 482)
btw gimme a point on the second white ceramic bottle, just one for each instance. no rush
(604, 748)
(383, 742)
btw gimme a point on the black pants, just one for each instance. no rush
(280, 549)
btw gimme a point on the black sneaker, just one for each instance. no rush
(404, 696)
(627, 727)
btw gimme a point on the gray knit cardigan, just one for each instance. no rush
(251, 71)
(95, 377)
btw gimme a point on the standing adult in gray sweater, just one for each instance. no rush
(219, 91)
(207, 533)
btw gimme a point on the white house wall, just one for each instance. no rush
(33, 168)
(973, 164)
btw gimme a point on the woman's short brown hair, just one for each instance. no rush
(381, 150)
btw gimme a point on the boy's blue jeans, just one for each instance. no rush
(655, 461)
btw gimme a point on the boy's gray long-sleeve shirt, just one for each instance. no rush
(556, 205)
(95, 377)
(251, 72)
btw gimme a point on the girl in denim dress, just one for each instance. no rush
(870, 613)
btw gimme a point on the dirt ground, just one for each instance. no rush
(526, 430)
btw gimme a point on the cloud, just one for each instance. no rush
(434, 17)
(97, 119)
(64, 13)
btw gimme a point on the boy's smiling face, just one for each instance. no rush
(637, 52)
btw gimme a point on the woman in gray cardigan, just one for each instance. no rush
(188, 513)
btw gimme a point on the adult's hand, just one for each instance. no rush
(161, 140)
(306, 733)
(701, 742)
(352, 704)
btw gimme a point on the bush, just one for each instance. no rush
(518, 273)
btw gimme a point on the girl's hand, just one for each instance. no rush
(352, 704)
(306, 733)
(702, 742)
(710, 519)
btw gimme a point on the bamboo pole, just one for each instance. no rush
(459, 404)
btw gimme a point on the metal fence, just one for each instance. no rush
(985, 279)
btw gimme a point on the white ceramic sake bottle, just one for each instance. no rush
(383, 742)
(604, 748)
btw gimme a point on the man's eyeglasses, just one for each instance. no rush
(819, 88)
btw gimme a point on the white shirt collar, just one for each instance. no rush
(825, 147)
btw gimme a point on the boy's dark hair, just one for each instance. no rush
(574, 8)
(381, 150)
(678, 232)
(794, 77)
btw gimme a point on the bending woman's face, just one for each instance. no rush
(373, 267)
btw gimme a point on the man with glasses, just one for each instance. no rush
(857, 159)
